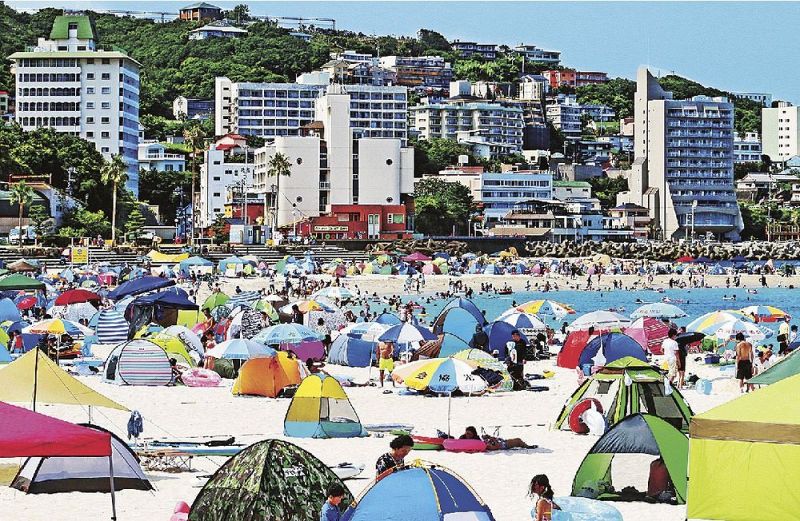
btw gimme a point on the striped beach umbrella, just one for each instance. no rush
(765, 313)
(442, 375)
(546, 308)
(711, 322)
(658, 310)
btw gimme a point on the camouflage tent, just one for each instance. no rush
(271, 480)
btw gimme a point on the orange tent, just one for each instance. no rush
(267, 376)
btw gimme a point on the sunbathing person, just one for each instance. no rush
(495, 443)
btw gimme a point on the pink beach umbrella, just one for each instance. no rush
(649, 333)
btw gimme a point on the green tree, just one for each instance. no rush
(84, 223)
(607, 188)
(218, 229)
(165, 189)
(240, 13)
(435, 154)
(134, 224)
(617, 93)
(277, 166)
(439, 206)
(115, 173)
(40, 219)
(22, 195)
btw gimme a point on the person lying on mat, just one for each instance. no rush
(495, 443)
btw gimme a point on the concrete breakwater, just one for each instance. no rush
(654, 251)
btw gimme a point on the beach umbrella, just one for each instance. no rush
(546, 308)
(416, 257)
(658, 310)
(523, 320)
(750, 330)
(274, 298)
(58, 326)
(74, 312)
(334, 292)
(765, 313)
(221, 312)
(245, 298)
(26, 302)
(285, 334)
(711, 322)
(215, 300)
(241, 349)
(685, 259)
(187, 336)
(367, 331)
(406, 333)
(266, 306)
(310, 305)
(599, 320)
(15, 326)
(76, 296)
(649, 332)
(441, 375)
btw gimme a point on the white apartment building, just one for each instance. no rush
(535, 54)
(499, 192)
(496, 125)
(759, 97)
(334, 163)
(533, 87)
(354, 57)
(683, 166)
(565, 115)
(747, 149)
(780, 137)
(154, 156)
(67, 84)
(272, 110)
(217, 177)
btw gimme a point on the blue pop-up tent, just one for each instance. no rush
(614, 346)
(139, 286)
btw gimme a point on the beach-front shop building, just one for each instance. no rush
(358, 221)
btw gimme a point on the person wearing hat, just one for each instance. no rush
(480, 340)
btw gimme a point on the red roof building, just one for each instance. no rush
(357, 221)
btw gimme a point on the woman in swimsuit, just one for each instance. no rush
(540, 486)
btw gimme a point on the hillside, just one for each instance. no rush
(174, 65)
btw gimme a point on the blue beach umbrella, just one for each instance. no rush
(406, 333)
(285, 334)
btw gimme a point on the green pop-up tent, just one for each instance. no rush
(752, 441)
(627, 386)
(636, 434)
(785, 368)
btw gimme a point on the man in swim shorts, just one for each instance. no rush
(385, 360)
(744, 361)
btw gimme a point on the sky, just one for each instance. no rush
(734, 46)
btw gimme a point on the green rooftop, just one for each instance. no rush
(61, 24)
(571, 184)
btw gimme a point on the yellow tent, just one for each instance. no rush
(157, 256)
(189, 318)
(320, 409)
(752, 441)
(173, 346)
(53, 385)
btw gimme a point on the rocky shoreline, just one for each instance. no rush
(654, 251)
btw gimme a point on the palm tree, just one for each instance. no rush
(278, 165)
(21, 194)
(195, 138)
(116, 173)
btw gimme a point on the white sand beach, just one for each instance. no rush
(500, 478)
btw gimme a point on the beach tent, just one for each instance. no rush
(139, 286)
(636, 434)
(613, 346)
(138, 362)
(49, 475)
(161, 308)
(629, 386)
(788, 366)
(267, 376)
(25, 433)
(352, 352)
(111, 328)
(388, 318)
(272, 480)
(458, 316)
(452, 344)
(161, 258)
(320, 409)
(5, 356)
(499, 335)
(174, 347)
(9, 310)
(754, 439)
(34, 378)
(423, 491)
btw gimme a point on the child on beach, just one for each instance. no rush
(540, 487)
(385, 360)
(330, 509)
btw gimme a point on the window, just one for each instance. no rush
(106, 61)
(89, 120)
(89, 75)
(105, 105)
(105, 121)
(106, 76)
(217, 194)
(106, 90)
(104, 150)
(89, 90)
(90, 134)
(104, 135)
(217, 179)
(90, 104)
